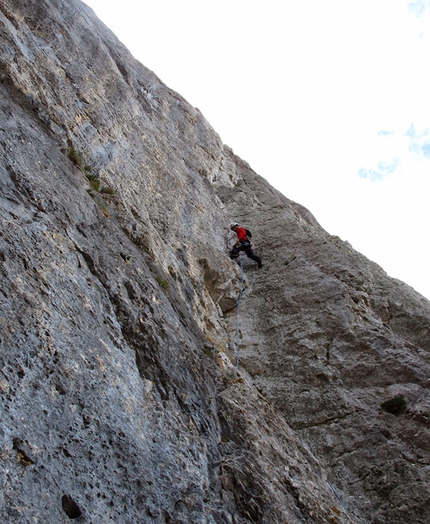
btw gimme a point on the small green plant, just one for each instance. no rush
(94, 182)
(96, 186)
(395, 405)
(162, 282)
(78, 159)
(208, 350)
(107, 190)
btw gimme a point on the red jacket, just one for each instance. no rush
(241, 234)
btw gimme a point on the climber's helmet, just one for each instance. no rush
(233, 225)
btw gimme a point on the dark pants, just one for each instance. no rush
(245, 246)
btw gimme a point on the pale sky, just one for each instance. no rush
(328, 100)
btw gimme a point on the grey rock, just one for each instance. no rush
(120, 399)
(328, 347)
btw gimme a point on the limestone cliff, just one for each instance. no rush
(120, 399)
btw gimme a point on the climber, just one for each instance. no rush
(243, 244)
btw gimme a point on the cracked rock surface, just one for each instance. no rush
(120, 401)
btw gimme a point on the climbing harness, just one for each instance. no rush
(237, 314)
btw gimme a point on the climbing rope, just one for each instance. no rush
(337, 496)
(237, 314)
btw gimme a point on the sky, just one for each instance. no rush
(327, 100)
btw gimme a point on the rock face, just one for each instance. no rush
(120, 398)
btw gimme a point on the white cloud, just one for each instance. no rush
(419, 7)
(419, 142)
(382, 170)
(396, 151)
(426, 150)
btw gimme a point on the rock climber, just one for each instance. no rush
(243, 244)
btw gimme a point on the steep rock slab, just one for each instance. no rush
(328, 337)
(99, 374)
(118, 403)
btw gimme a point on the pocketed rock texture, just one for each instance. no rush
(120, 401)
